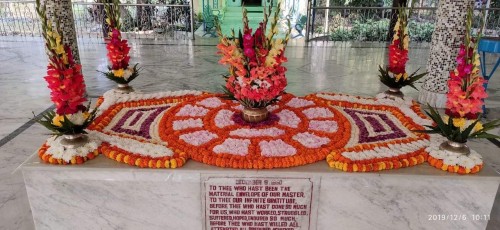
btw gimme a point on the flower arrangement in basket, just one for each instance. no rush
(118, 51)
(256, 72)
(463, 112)
(67, 86)
(394, 75)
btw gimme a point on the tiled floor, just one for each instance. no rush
(336, 67)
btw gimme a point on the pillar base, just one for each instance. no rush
(436, 100)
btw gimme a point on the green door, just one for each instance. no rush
(233, 2)
(267, 2)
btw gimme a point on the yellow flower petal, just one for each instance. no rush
(118, 72)
(57, 120)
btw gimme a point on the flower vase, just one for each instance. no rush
(255, 115)
(456, 147)
(73, 141)
(394, 93)
(124, 88)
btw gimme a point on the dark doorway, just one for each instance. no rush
(252, 2)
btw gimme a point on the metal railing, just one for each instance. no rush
(155, 21)
(372, 23)
(176, 21)
(19, 18)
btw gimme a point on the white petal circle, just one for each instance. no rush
(192, 111)
(288, 118)
(211, 102)
(276, 148)
(186, 124)
(224, 118)
(198, 138)
(310, 140)
(233, 146)
(325, 126)
(249, 132)
(318, 112)
(299, 103)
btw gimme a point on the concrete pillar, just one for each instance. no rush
(62, 10)
(448, 35)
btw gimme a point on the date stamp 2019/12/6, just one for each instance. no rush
(458, 217)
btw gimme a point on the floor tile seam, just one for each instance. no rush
(23, 127)
(27, 125)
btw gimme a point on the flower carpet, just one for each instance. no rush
(164, 130)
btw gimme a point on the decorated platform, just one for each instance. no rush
(282, 153)
(108, 194)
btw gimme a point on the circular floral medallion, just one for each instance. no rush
(298, 131)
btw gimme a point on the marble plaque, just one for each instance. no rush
(257, 203)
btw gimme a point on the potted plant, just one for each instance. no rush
(462, 119)
(70, 117)
(256, 72)
(394, 74)
(118, 52)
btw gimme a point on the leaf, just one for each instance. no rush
(415, 78)
(439, 121)
(427, 131)
(413, 86)
(484, 135)
(491, 125)
(468, 130)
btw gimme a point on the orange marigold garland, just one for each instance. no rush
(123, 156)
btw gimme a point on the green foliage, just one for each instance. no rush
(367, 3)
(113, 14)
(376, 30)
(452, 133)
(67, 127)
(341, 35)
(386, 79)
(121, 80)
(420, 31)
(370, 30)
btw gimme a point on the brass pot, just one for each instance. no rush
(456, 147)
(394, 93)
(73, 141)
(254, 115)
(124, 88)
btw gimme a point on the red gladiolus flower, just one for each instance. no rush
(67, 87)
(465, 87)
(397, 58)
(118, 51)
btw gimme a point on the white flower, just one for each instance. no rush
(127, 73)
(77, 118)
(131, 145)
(58, 151)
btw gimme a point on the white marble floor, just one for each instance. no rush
(338, 67)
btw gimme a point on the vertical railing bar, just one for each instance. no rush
(192, 18)
(308, 21)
